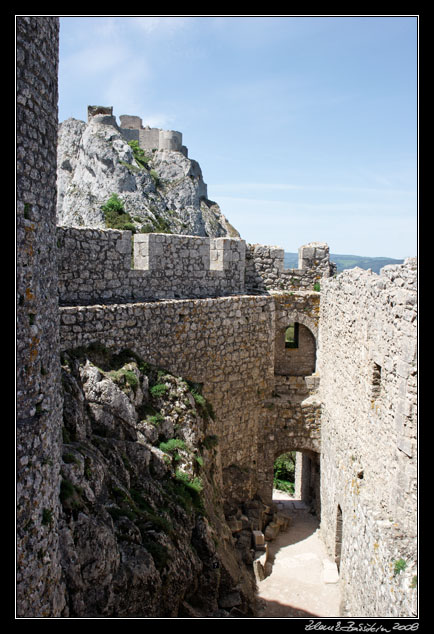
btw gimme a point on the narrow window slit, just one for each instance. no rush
(376, 381)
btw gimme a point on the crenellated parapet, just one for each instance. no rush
(108, 266)
(265, 268)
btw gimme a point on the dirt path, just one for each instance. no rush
(303, 582)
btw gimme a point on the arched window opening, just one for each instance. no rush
(295, 350)
(291, 335)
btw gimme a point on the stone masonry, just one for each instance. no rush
(265, 268)
(368, 364)
(225, 343)
(98, 265)
(215, 311)
(39, 403)
(147, 138)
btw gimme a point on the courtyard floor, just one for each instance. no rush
(303, 582)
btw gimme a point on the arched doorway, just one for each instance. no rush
(297, 473)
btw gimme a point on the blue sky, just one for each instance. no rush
(305, 127)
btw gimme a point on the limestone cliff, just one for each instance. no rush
(161, 191)
(142, 530)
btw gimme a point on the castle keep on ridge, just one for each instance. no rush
(133, 130)
(217, 312)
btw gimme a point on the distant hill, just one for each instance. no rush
(346, 262)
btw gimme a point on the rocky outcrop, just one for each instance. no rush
(142, 529)
(161, 191)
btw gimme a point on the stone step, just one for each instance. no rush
(258, 540)
(330, 572)
(272, 531)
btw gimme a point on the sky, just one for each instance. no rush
(305, 127)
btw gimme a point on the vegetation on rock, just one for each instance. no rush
(140, 516)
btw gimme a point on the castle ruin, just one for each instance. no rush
(216, 311)
(150, 139)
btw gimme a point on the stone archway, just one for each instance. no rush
(307, 479)
(307, 476)
(296, 357)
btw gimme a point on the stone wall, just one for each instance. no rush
(291, 417)
(97, 266)
(106, 265)
(362, 420)
(265, 268)
(38, 390)
(367, 362)
(226, 344)
(151, 138)
(301, 307)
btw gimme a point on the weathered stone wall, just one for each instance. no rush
(367, 362)
(308, 479)
(265, 268)
(151, 138)
(224, 343)
(95, 266)
(286, 424)
(363, 420)
(38, 404)
(105, 265)
(299, 361)
(290, 418)
(300, 307)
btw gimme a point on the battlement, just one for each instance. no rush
(108, 266)
(265, 268)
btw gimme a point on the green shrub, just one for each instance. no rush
(192, 483)
(172, 444)
(399, 566)
(317, 287)
(283, 485)
(115, 216)
(138, 153)
(284, 472)
(158, 390)
(131, 379)
(155, 177)
(155, 419)
(205, 407)
(114, 203)
(200, 400)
